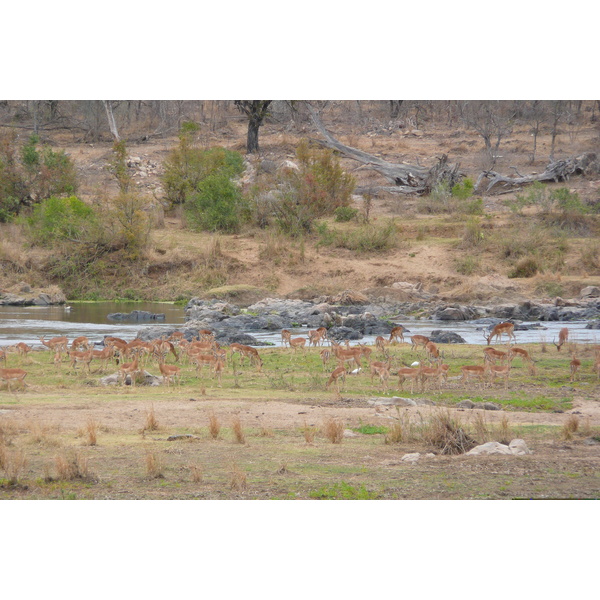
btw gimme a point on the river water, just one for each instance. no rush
(28, 323)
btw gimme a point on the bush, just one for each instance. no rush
(467, 265)
(528, 267)
(128, 223)
(365, 238)
(463, 190)
(62, 219)
(216, 205)
(188, 165)
(343, 214)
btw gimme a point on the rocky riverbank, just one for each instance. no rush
(23, 294)
(355, 316)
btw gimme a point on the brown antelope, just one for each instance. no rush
(499, 330)
(396, 334)
(206, 335)
(337, 374)
(597, 367)
(473, 372)
(419, 340)
(575, 364)
(104, 355)
(376, 366)
(80, 342)
(202, 359)
(380, 344)
(325, 356)
(55, 342)
(286, 335)
(499, 371)
(218, 368)
(433, 352)
(76, 356)
(176, 338)
(434, 373)
(247, 352)
(365, 351)
(297, 343)
(491, 355)
(563, 336)
(131, 368)
(9, 375)
(169, 373)
(347, 355)
(160, 349)
(317, 337)
(3, 355)
(405, 373)
(525, 356)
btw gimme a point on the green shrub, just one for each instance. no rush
(61, 219)
(343, 214)
(216, 205)
(365, 238)
(463, 190)
(467, 265)
(473, 234)
(188, 165)
(568, 201)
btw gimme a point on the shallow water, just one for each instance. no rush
(27, 324)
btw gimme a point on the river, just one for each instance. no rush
(28, 323)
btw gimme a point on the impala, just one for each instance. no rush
(202, 359)
(473, 372)
(380, 344)
(325, 356)
(491, 355)
(405, 373)
(76, 356)
(337, 374)
(419, 340)
(9, 375)
(3, 356)
(104, 355)
(499, 330)
(397, 333)
(169, 373)
(525, 356)
(563, 336)
(376, 366)
(131, 369)
(575, 364)
(297, 343)
(218, 368)
(160, 349)
(80, 342)
(286, 335)
(344, 355)
(433, 373)
(317, 337)
(365, 351)
(247, 352)
(433, 352)
(55, 342)
(499, 371)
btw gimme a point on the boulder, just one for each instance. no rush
(136, 315)
(590, 291)
(519, 447)
(439, 336)
(412, 458)
(490, 448)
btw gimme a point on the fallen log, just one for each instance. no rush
(556, 171)
(406, 179)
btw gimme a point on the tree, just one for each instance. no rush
(256, 111)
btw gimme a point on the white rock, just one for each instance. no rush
(490, 448)
(412, 458)
(519, 447)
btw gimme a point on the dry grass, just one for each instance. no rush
(151, 423)
(214, 426)
(333, 430)
(481, 428)
(309, 432)
(13, 463)
(570, 427)
(238, 431)
(237, 478)
(197, 473)
(71, 466)
(154, 466)
(447, 434)
(504, 432)
(91, 430)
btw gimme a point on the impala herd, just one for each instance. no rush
(132, 357)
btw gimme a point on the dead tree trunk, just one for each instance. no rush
(559, 170)
(405, 179)
(112, 124)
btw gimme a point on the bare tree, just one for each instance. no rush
(112, 124)
(557, 111)
(256, 111)
(487, 119)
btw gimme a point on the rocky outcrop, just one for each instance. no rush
(23, 294)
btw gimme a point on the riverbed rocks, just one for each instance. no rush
(23, 294)
(136, 315)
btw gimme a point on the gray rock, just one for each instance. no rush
(439, 336)
(519, 447)
(590, 291)
(412, 458)
(468, 404)
(344, 333)
(490, 448)
(491, 406)
(137, 315)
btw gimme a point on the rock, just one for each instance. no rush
(412, 458)
(136, 315)
(344, 333)
(491, 406)
(490, 448)
(348, 433)
(148, 379)
(519, 447)
(593, 325)
(453, 313)
(591, 291)
(439, 336)
(469, 404)
(395, 400)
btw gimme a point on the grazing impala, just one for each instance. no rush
(297, 344)
(499, 371)
(76, 356)
(380, 344)
(131, 369)
(491, 355)
(347, 355)
(169, 372)
(433, 352)
(435, 374)
(499, 330)
(575, 364)
(525, 356)
(396, 334)
(419, 341)
(563, 336)
(9, 375)
(376, 366)
(337, 374)
(317, 337)
(104, 355)
(80, 342)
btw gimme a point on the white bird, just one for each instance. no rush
(356, 371)
(415, 364)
